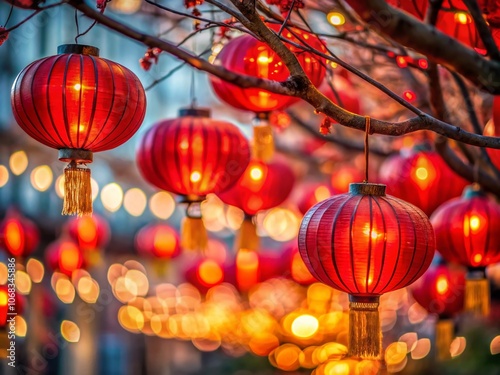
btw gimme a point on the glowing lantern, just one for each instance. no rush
(159, 241)
(261, 187)
(249, 56)
(89, 232)
(79, 104)
(26, 4)
(343, 175)
(205, 274)
(193, 156)
(441, 291)
(18, 235)
(10, 306)
(366, 243)
(312, 194)
(467, 233)
(421, 178)
(64, 256)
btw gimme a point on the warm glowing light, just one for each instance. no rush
(23, 282)
(336, 368)
(4, 175)
(475, 223)
(410, 339)
(88, 289)
(462, 18)
(70, 331)
(263, 59)
(457, 346)
(112, 197)
(210, 272)
(14, 236)
(256, 173)
(421, 349)
(21, 326)
(286, 357)
(70, 258)
(396, 353)
(281, 224)
(162, 205)
(125, 6)
(336, 18)
(305, 326)
(495, 345)
(442, 285)
(77, 87)
(59, 186)
(65, 291)
(4, 274)
(135, 201)
(3, 297)
(18, 162)
(164, 243)
(41, 177)
(94, 186)
(477, 258)
(195, 176)
(409, 95)
(401, 61)
(421, 173)
(131, 318)
(140, 280)
(321, 193)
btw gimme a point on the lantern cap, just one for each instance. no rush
(364, 299)
(377, 190)
(473, 191)
(80, 49)
(194, 112)
(78, 155)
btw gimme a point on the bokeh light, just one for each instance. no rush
(41, 177)
(4, 175)
(112, 197)
(135, 202)
(18, 162)
(70, 331)
(162, 205)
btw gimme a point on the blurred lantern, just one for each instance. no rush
(313, 193)
(160, 242)
(492, 130)
(262, 186)
(366, 243)
(248, 56)
(343, 175)
(205, 274)
(79, 104)
(26, 4)
(441, 291)
(193, 156)
(18, 235)
(64, 256)
(91, 233)
(467, 232)
(298, 269)
(341, 92)
(422, 178)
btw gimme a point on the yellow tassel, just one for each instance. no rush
(263, 142)
(193, 234)
(77, 191)
(247, 236)
(365, 336)
(4, 342)
(160, 267)
(444, 338)
(477, 297)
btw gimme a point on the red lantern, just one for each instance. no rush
(193, 156)
(421, 178)
(10, 303)
(366, 243)
(159, 241)
(467, 233)
(205, 274)
(26, 4)
(79, 104)
(64, 256)
(313, 193)
(441, 291)
(261, 187)
(19, 236)
(89, 232)
(249, 56)
(343, 175)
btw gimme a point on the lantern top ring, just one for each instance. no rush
(194, 112)
(367, 189)
(80, 49)
(80, 156)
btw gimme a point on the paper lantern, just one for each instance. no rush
(79, 104)
(248, 56)
(366, 243)
(64, 256)
(90, 232)
(422, 178)
(467, 233)
(441, 291)
(205, 274)
(261, 187)
(193, 155)
(159, 241)
(19, 236)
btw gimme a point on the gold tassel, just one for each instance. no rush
(247, 236)
(4, 342)
(444, 338)
(365, 336)
(263, 142)
(193, 234)
(77, 191)
(160, 267)
(477, 296)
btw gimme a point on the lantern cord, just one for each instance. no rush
(444, 338)
(367, 146)
(10, 14)
(192, 93)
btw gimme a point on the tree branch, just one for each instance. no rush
(483, 29)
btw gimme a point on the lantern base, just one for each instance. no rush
(444, 338)
(477, 294)
(77, 191)
(365, 337)
(193, 234)
(77, 155)
(247, 236)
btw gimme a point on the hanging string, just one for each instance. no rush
(192, 93)
(77, 27)
(10, 14)
(367, 146)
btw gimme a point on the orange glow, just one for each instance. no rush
(247, 265)
(442, 285)
(14, 237)
(77, 87)
(87, 230)
(477, 258)
(256, 173)
(475, 223)
(462, 18)
(165, 243)
(305, 326)
(70, 258)
(210, 273)
(195, 176)
(299, 270)
(3, 297)
(424, 173)
(421, 173)
(321, 193)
